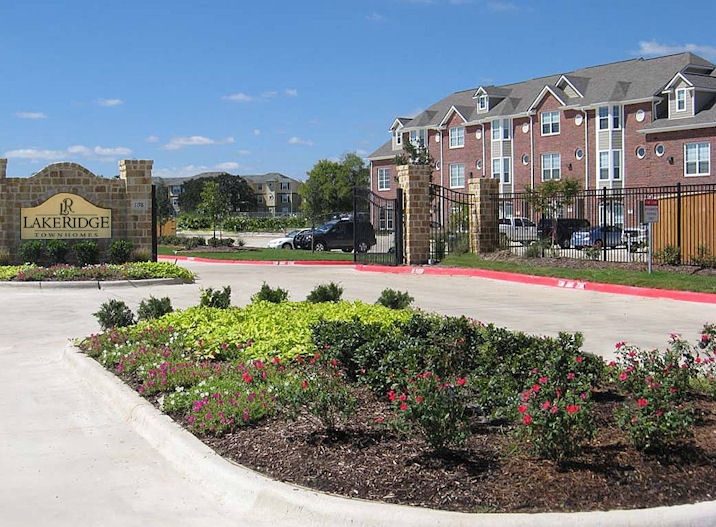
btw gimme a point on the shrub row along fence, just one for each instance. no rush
(613, 224)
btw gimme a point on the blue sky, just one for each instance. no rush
(274, 85)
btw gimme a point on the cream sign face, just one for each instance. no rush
(65, 216)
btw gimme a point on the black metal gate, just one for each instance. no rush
(385, 216)
(449, 222)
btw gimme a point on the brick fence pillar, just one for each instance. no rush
(484, 229)
(137, 175)
(415, 182)
(3, 168)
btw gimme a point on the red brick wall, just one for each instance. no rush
(661, 172)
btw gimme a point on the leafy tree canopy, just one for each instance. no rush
(329, 187)
(240, 195)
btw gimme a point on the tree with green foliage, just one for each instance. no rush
(329, 187)
(163, 204)
(550, 198)
(240, 195)
(214, 203)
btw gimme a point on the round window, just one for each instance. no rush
(478, 165)
(640, 115)
(437, 165)
(478, 134)
(437, 138)
(578, 119)
(640, 152)
(659, 150)
(525, 128)
(525, 159)
(579, 153)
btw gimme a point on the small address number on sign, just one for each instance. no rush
(140, 205)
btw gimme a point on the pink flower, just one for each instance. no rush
(418, 399)
(461, 381)
(536, 388)
(554, 409)
(579, 358)
(546, 405)
(642, 402)
(611, 364)
(527, 419)
(304, 384)
(403, 407)
(392, 396)
(620, 345)
(570, 376)
(403, 397)
(623, 377)
(543, 380)
(522, 408)
(379, 419)
(572, 408)
(583, 396)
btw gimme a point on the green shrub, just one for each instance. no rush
(395, 299)
(705, 257)
(86, 253)
(114, 314)
(120, 251)
(330, 292)
(57, 251)
(154, 308)
(220, 242)
(670, 255)
(32, 252)
(4, 257)
(592, 253)
(141, 255)
(267, 294)
(214, 298)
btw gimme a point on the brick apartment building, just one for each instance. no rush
(636, 123)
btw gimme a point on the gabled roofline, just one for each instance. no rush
(541, 95)
(667, 88)
(400, 121)
(596, 105)
(677, 128)
(449, 113)
(566, 79)
(480, 91)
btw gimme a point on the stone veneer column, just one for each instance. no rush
(3, 168)
(4, 211)
(415, 182)
(137, 175)
(484, 228)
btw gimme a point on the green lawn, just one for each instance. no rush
(657, 279)
(262, 254)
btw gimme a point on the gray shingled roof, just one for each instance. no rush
(706, 82)
(629, 80)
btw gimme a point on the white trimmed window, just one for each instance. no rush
(385, 218)
(285, 185)
(550, 123)
(502, 169)
(482, 103)
(383, 179)
(697, 159)
(457, 137)
(500, 129)
(551, 164)
(285, 198)
(457, 175)
(610, 116)
(610, 164)
(398, 137)
(681, 99)
(419, 137)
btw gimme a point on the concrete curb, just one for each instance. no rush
(267, 500)
(92, 284)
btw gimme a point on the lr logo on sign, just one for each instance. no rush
(65, 216)
(65, 206)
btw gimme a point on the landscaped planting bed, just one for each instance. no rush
(406, 407)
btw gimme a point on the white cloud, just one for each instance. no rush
(112, 152)
(185, 171)
(152, 139)
(109, 102)
(30, 115)
(298, 141)
(291, 92)
(376, 17)
(74, 151)
(257, 131)
(229, 165)
(362, 153)
(269, 94)
(501, 6)
(175, 143)
(653, 48)
(244, 152)
(238, 97)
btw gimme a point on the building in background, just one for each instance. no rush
(636, 123)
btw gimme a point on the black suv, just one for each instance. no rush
(563, 231)
(337, 234)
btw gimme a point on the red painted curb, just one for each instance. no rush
(564, 283)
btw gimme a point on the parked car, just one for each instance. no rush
(522, 230)
(610, 236)
(286, 241)
(562, 231)
(636, 237)
(337, 234)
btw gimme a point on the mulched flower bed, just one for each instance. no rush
(490, 473)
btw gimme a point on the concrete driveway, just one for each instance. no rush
(70, 455)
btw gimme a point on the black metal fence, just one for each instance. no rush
(611, 224)
(449, 222)
(386, 217)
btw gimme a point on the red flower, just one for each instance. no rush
(461, 381)
(546, 405)
(536, 388)
(620, 345)
(403, 407)
(623, 377)
(527, 419)
(579, 358)
(304, 384)
(379, 419)
(572, 408)
(554, 409)
(403, 397)
(418, 399)
(334, 362)
(522, 408)
(392, 396)
(526, 396)
(642, 402)
(543, 380)
(570, 376)
(247, 378)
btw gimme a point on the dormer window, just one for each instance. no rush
(681, 100)
(398, 138)
(482, 103)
